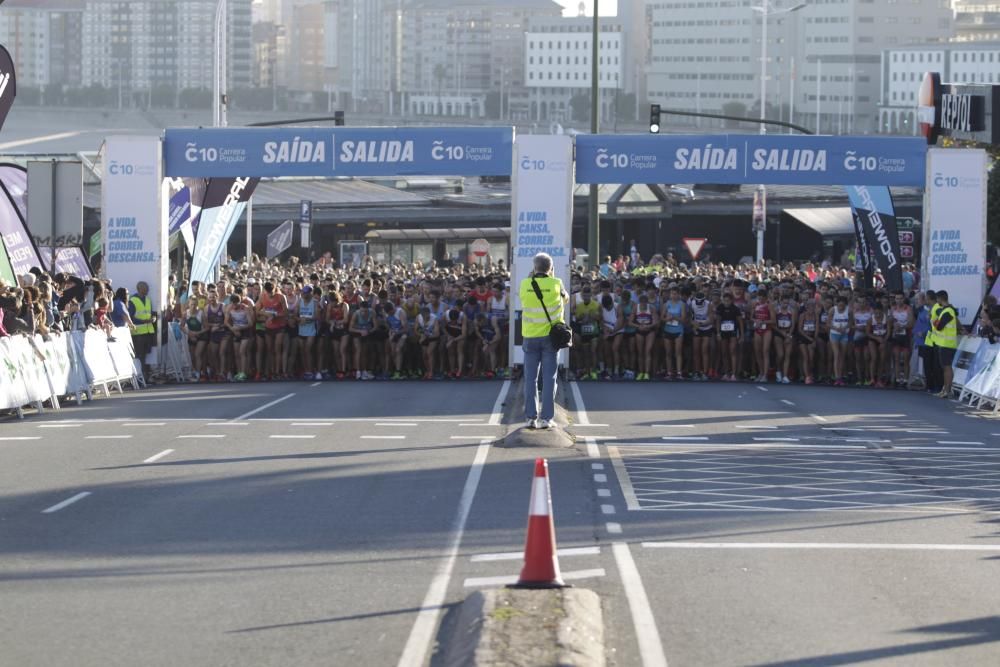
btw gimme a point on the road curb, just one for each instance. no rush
(528, 628)
(520, 436)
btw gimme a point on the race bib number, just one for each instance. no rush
(761, 326)
(784, 322)
(809, 326)
(729, 326)
(588, 329)
(673, 323)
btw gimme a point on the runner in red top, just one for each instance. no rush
(763, 327)
(272, 310)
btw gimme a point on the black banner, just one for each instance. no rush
(875, 223)
(8, 84)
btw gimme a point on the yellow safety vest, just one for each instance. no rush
(143, 318)
(932, 333)
(947, 337)
(534, 324)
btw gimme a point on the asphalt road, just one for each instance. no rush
(342, 524)
(788, 525)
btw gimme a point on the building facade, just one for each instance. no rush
(977, 21)
(44, 37)
(972, 62)
(823, 59)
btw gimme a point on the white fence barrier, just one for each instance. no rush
(35, 371)
(979, 366)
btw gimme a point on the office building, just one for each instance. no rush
(44, 40)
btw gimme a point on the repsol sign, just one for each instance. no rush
(963, 113)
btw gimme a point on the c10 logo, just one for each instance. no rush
(120, 169)
(442, 152)
(942, 181)
(616, 160)
(528, 164)
(853, 163)
(195, 154)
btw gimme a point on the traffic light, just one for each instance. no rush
(338, 118)
(654, 118)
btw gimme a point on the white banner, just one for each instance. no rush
(134, 216)
(541, 216)
(955, 227)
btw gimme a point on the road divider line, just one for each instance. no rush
(66, 503)
(247, 415)
(608, 509)
(604, 493)
(673, 425)
(597, 466)
(683, 437)
(960, 442)
(141, 424)
(60, 425)
(631, 501)
(232, 423)
(787, 402)
(497, 413)
(593, 451)
(600, 478)
(395, 423)
(613, 528)
(292, 437)
(315, 384)
(762, 388)
(582, 418)
(156, 457)
(479, 582)
(107, 437)
(776, 439)
(311, 424)
(833, 546)
(650, 647)
(518, 555)
(756, 427)
(21, 437)
(422, 633)
(201, 436)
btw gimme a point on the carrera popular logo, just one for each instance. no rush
(116, 168)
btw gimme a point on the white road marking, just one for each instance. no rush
(819, 418)
(518, 555)
(200, 436)
(21, 437)
(60, 425)
(479, 582)
(292, 437)
(597, 466)
(472, 437)
(600, 478)
(247, 415)
(959, 442)
(603, 437)
(864, 440)
(673, 425)
(613, 528)
(631, 502)
(608, 509)
(107, 437)
(141, 424)
(480, 424)
(683, 437)
(604, 493)
(156, 457)
(822, 545)
(589, 426)
(498, 405)
(423, 630)
(315, 384)
(395, 423)
(762, 388)
(383, 437)
(593, 451)
(776, 439)
(581, 411)
(917, 431)
(756, 427)
(311, 424)
(228, 424)
(650, 646)
(787, 402)
(66, 503)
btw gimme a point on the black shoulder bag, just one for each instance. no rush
(560, 334)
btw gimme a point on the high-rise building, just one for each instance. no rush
(44, 37)
(977, 20)
(140, 46)
(823, 60)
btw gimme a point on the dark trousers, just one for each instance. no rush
(143, 343)
(932, 369)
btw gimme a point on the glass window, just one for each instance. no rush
(458, 251)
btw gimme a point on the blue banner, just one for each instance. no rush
(180, 209)
(750, 159)
(338, 151)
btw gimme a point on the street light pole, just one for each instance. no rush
(219, 66)
(593, 225)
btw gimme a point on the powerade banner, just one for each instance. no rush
(225, 201)
(863, 256)
(8, 84)
(320, 151)
(875, 215)
(750, 158)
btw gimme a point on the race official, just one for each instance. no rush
(945, 327)
(140, 309)
(540, 355)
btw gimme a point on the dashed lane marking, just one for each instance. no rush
(141, 424)
(60, 425)
(228, 424)
(756, 427)
(312, 424)
(201, 436)
(673, 425)
(21, 437)
(608, 509)
(66, 503)
(107, 437)
(787, 402)
(650, 647)
(479, 582)
(822, 545)
(776, 439)
(600, 478)
(156, 457)
(315, 384)
(685, 438)
(395, 423)
(762, 388)
(518, 555)
(604, 493)
(292, 437)
(959, 442)
(597, 466)
(613, 528)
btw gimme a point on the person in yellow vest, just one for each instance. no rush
(140, 309)
(932, 370)
(944, 330)
(539, 353)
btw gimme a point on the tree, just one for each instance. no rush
(579, 106)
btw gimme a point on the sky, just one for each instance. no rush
(606, 7)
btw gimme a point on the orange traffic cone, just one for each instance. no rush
(541, 563)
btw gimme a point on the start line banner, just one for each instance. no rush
(338, 151)
(750, 159)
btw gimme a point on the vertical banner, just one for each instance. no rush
(875, 225)
(133, 215)
(225, 201)
(21, 253)
(955, 227)
(8, 84)
(541, 217)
